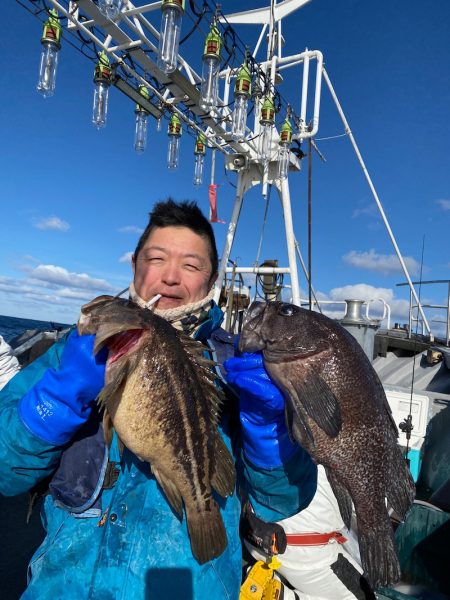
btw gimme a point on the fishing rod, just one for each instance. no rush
(406, 426)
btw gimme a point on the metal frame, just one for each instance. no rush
(133, 33)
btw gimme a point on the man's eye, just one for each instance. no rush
(191, 267)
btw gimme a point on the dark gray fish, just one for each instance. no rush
(160, 397)
(337, 410)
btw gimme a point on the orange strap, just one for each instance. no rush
(314, 539)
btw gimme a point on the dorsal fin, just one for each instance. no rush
(203, 368)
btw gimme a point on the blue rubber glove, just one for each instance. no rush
(265, 438)
(61, 402)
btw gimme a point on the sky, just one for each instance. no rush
(74, 199)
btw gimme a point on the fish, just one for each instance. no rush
(336, 409)
(161, 399)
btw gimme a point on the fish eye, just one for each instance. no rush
(286, 310)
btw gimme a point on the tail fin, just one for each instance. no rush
(378, 554)
(207, 533)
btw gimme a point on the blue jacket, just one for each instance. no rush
(124, 541)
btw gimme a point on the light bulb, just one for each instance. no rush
(140, 133)
(265, 141)
(100, 107)
(239, 117)
(173, 151)
(47, 69)
(198, 169)
(283, 161)
(210, 82)
(110, 8)
(169, 37)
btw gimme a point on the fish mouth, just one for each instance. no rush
(251, 340)
(274, 355)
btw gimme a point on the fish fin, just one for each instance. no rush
(342, 496)
(319, 402)
(223, 479)
(120, 373)
(107, 428)
(378, 553)
(298, 429)
(400, 488)
(207, 377)
(207, 532)
(170, 490)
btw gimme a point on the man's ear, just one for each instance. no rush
(133, 264)
(213, 280)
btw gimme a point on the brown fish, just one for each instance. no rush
(160, 396)
(337, 410)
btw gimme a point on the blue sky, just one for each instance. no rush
(74, 199)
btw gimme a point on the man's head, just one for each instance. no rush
(176, 255)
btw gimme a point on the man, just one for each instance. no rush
(111, 533)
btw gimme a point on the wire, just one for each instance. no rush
(199, 19)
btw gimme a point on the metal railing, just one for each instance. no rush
(445, 307)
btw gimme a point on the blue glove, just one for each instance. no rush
(265, 438)
(61, 402)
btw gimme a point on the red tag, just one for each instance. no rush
(213, 203)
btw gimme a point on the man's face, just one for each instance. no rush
(175, 263)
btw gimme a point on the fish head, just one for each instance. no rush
(117, 323)
(94, 312)
(282, 331)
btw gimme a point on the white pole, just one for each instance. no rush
(304, 90)
(240, 190)
(283, 190)
(377, 200)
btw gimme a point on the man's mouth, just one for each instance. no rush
(169, 300)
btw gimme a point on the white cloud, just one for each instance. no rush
(368, 210)
(54, 223)
(444, 204)
(383, 263)
(131, 229)
(63, 277)
(126, 258)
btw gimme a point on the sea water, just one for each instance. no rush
(10, 327)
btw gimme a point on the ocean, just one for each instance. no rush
(10, 327)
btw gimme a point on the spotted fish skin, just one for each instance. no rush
(336, 408)
(160, 397)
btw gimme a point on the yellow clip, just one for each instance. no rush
(274, 563)
(272, 590)
(255, 583)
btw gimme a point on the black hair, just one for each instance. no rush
(181, 214)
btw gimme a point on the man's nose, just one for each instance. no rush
(171, 274)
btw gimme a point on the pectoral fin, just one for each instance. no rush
(319, 402)
(297, 427)
(342, 496)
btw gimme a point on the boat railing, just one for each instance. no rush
(413, 307)
(367, 306)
